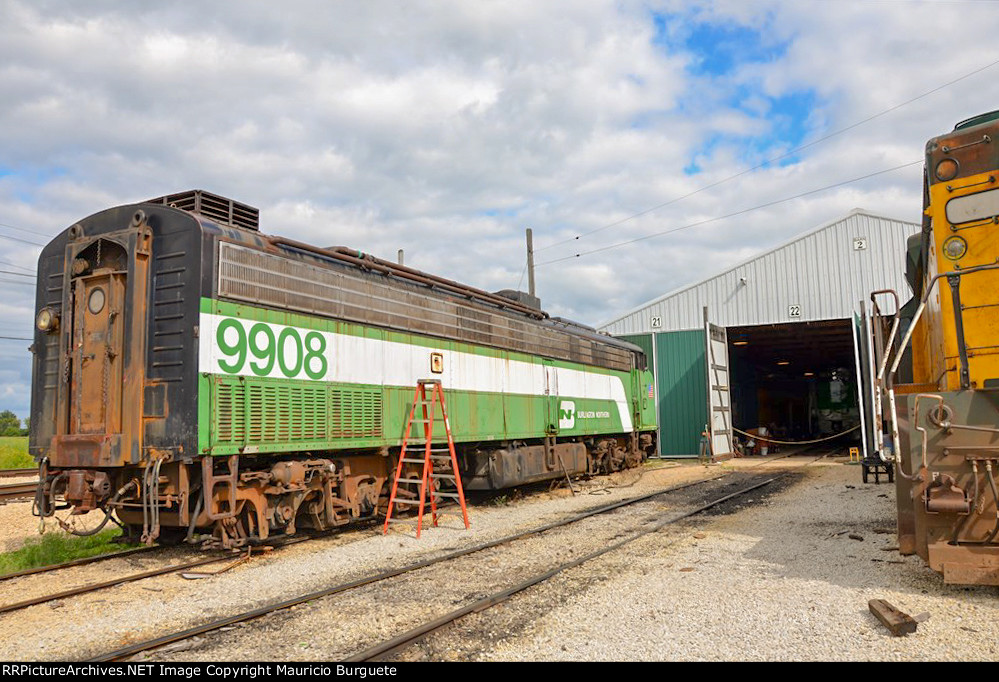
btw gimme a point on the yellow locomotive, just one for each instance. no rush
(937, 387)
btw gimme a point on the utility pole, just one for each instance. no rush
(530, 261)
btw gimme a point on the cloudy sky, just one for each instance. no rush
(446, 128)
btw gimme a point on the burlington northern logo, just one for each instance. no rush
(566, 414)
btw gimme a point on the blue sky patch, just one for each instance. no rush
(717, 51)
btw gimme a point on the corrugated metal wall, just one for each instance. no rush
(821, 272)
(681, 379)
(643, 341)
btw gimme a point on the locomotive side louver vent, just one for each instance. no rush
(213, 207)
(283, 283)
(256, 413)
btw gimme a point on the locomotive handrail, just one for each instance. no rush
(905, 342)
(894, 327)
(363, 260)
(879, 380)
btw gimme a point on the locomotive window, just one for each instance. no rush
(95, 303)
(973, 207)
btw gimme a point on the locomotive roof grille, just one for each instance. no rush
(213, 207)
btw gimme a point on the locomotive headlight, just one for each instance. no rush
(946, 170)
(955, 248)
(47, 320)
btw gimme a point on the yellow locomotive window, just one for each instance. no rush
(973, 207)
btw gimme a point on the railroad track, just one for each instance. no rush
(411, 636)
(417, 633)
(18, 491)
(17, 473)
(93, 587)
(121, 580)
(78, 562)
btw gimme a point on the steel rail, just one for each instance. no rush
(407, 638)
(18, 491)
(131, 650)
(14, 473)
(77, 562)
(93, 587)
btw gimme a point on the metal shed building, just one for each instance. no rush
(775, 341)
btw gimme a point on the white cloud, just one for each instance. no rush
(446, 128)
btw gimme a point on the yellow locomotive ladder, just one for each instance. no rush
(428, 481)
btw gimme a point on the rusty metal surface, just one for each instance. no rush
(277, 279)
(949, 515)
(977, 151)
(217, 208)
(508, 467)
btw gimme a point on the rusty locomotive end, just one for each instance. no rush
(195, 377)
(938, 399)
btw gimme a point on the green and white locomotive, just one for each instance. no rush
(193, 375)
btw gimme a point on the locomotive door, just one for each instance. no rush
(95, 398)
(551, 398)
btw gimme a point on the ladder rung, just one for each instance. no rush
(407, 502)
(446, 458)
(412, 461)
(455, 496)
(451, 476)
(409, 480)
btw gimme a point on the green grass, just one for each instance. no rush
(57, 547)
(14, 453)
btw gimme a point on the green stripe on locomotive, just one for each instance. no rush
(242, 412)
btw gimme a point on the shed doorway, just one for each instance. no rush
(797, 380)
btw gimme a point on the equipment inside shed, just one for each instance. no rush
(797, 380)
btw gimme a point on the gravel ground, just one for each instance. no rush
(91, 624)
(779, 581)
(16, 522)
(379, 611)
(774, 576)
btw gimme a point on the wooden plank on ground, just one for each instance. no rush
(897, 622)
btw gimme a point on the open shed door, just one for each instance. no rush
(719, 402)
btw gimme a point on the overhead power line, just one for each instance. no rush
(18, 239)
(15, 265)
(731, 215)
(780, 157)
(17, 281)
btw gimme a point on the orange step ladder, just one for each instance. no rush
(428, 481)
